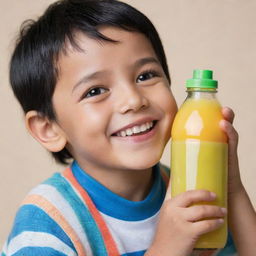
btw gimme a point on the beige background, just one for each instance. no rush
(212, 34)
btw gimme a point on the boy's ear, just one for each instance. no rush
(46, 132)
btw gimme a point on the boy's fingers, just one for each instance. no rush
(193, 196)
(205, 226)
(231, 132)
(200, 212)
(228, 114)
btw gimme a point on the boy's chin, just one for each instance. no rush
(138, 163)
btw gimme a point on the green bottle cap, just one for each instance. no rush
(202, 79)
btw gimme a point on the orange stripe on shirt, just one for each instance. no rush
(107, 237)
(56, 215)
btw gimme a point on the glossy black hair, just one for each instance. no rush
(33, 69)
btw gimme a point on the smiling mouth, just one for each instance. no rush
(136, 130)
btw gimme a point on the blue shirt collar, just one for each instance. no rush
(116, 206)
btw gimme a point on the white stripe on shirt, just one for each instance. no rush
(132, 236)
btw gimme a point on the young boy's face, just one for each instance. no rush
(113, 102)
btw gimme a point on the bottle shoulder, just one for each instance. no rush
(199, 119)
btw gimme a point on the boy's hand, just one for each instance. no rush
(181, 223)
(242, 215)
(234, 180)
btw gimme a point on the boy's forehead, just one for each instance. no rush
(84, 42)
(90, 54)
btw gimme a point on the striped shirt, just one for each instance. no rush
(71, 214)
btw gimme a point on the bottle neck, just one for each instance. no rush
(201, 93)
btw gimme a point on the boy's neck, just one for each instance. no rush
(133, 185)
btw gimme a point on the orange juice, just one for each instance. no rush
(199, 150)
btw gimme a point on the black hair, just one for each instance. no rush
(33, 69)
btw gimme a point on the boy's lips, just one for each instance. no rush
(136, 128)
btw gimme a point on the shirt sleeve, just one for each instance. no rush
(229, 249)
(36, 233)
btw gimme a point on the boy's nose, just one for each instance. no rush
(132, 99)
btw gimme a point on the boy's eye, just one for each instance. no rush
(146, 76)
(95, 91)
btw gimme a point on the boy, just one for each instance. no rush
(93, 81)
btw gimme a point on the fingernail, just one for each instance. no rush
(213, 195)
(223, 123)
(224, 210)
(220, 221)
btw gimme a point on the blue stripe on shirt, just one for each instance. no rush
(38, 251)
(32, 218)
(139, 253)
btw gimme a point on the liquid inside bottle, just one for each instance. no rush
(199, 149)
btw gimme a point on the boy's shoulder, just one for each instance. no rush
(43, 200)
(40, 218)
(56, 196)
(48, 190)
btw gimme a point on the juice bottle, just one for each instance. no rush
(199, 149)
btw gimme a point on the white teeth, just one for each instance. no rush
(129, 132)
(143, 128)
(135, 130)
(123, 133)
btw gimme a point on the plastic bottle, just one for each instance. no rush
(199, 149)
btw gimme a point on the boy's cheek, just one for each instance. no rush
(168, 102)
(173, 109)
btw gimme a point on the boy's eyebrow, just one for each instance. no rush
(146, 60)
(89, 77)
(138, 63)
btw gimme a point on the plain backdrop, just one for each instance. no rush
(218, 35)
